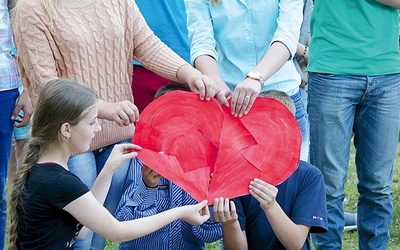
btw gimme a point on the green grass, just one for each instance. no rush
(350, 239)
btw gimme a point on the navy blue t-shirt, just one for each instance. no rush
(301, 197)
(43, 224)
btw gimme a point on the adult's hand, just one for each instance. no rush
(23, 104)
(123, 113)
(244, 96)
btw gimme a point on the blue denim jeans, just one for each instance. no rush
(7, 104)
(302, 120)
(370, 107)
(87, 166)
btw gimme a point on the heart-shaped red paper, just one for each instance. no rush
(210, 153)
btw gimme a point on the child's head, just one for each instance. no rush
(171, 87)
(61, 101)
(280, 96)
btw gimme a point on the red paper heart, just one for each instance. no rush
(200, 139)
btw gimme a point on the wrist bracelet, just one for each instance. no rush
(305, 50)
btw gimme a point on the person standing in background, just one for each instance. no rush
(10, 107)
(93, 42)
(354, 86)
(301, 57)
(247, 47)
(167, 19)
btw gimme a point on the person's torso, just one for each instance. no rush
(354, 37)
(43, 224)
(244, 31)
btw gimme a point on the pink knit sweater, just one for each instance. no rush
(93, 45)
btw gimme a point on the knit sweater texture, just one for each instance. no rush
(93, 45)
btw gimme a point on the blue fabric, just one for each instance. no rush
(139, 201)
(7, 104)
(238, 33)
(368, 106)
(167, 19)
(301, 197)
(302, 120)
(84, 166)
(8, 66)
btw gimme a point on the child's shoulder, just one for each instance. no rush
(307, 169)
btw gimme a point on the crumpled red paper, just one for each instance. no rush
(210, 153)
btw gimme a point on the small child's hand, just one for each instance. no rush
(119, 154)
(223, 213)
(196, 214)
(150, 177)
(264, 192)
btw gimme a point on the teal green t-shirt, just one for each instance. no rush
(354, 37)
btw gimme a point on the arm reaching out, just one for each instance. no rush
(87, 210)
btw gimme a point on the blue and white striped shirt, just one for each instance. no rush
(8, 66)
(140, 201)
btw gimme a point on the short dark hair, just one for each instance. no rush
(171, 87)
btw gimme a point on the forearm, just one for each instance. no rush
(276, 56)
(208, 66)
(291, 236)
(301, 49)
(102, 185)
(185, 72)
(234, 237)
(133, 229)
(391, 3)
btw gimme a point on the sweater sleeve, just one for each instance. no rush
(35, 57)
(151, 51)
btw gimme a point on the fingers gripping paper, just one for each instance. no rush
(210, 153)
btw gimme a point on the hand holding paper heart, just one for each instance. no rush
(210, 153)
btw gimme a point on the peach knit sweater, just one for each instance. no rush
(92, 45)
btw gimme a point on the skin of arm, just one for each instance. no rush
(119, 154)
(291, 235)
(101, 186)
(87, 210)
(225, 212)
(391, 3)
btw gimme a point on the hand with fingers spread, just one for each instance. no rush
(150, 177)
(244, 96)
(264, 193)
(123, 113)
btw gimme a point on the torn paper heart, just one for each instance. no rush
(210, 153)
